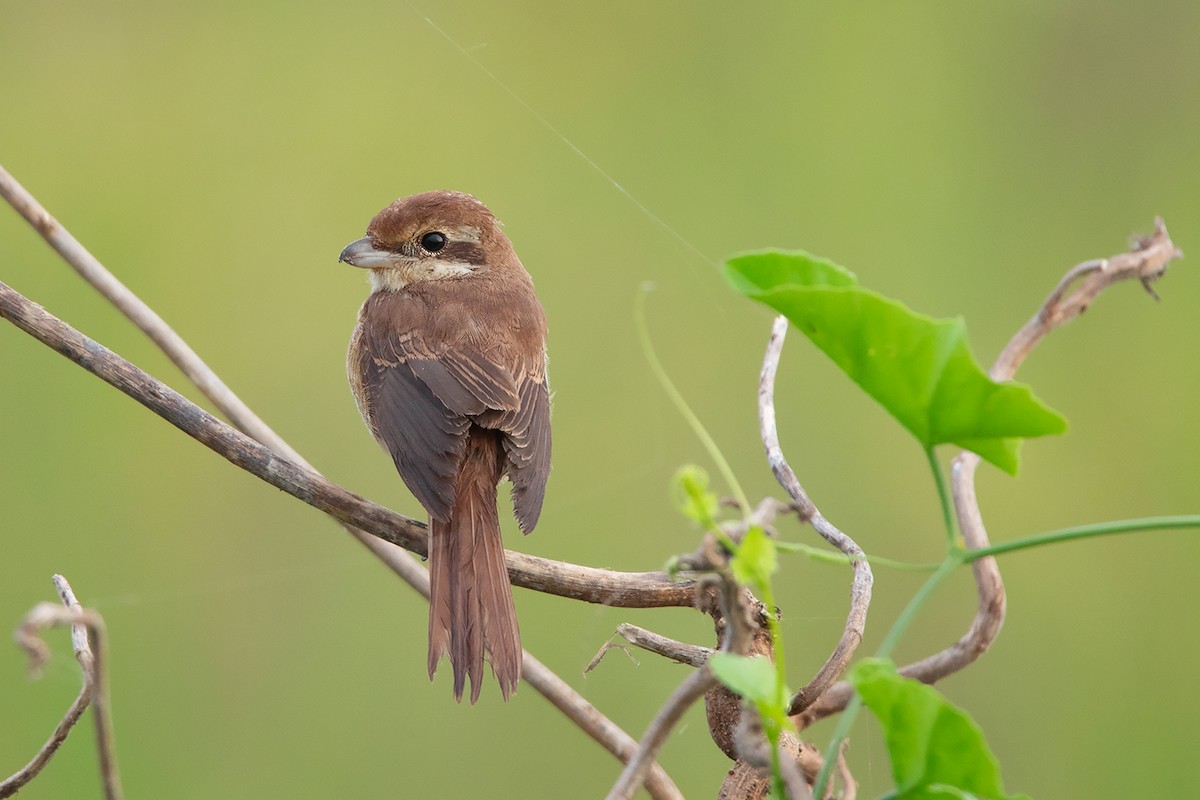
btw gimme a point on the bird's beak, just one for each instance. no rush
(363, 253)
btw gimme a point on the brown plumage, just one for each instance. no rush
(448, 366)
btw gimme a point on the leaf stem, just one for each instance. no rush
(1084, 532)
(909, 613)
(771, 724)
(943, 494)
(830, 557)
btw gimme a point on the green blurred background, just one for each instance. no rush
(217, 156)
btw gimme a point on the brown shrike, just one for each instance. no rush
(448, 367)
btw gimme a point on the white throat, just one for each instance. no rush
(393, 279)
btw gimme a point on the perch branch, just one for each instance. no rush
(860, 586)
(1146, 261)
(175, 348)
(189, 362)
(94, 690)
(569, 580)
(622, 589)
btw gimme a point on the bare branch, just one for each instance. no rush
(754, 750)
(860, 586)
(1145, 262)
(609, 644)
(556, 690)
(141, 315)
(599, 727)
(622, 589)
(173, 346)
(688, 692)
(679, 652)
(94, 690)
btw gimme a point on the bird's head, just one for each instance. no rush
(432, 236)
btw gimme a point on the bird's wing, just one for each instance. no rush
(420, 404)
(526, 441)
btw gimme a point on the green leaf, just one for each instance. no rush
(920, 369)
(689, 490)
(755, 560)
(937, 750)
(750, 677)
(768, 269)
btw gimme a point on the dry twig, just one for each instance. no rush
(679, 652)
(754, 751)
(860, 586)
(94, 691)
(1146, 261)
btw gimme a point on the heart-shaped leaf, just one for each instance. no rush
(936, 749)
(918, 368)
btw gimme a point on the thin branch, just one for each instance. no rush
(622, 589)
(175, 348)
(679, 652)
(599, 727)
(94, 690)
(860, 586)
(687, 693)
(144, 317)
(27, 637)
(1145, 262)
(734, 609)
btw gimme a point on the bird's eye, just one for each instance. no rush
(433, 241)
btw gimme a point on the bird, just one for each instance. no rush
(448, 367)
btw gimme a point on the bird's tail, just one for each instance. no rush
(470, 604)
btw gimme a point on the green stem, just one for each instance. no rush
(885, 650)
(1085, 532)
(957, 557)
(914, 605)
(943, 494)
(890, 563)
(768, 599)
(714, 452)
(830, 557)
